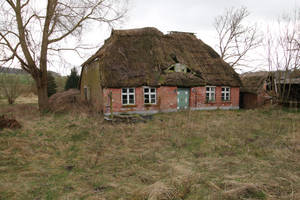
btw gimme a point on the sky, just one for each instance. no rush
(195, 16)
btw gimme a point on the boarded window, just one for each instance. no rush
(86, 93)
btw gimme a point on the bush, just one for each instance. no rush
(10, 87)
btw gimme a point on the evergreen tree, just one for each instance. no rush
(72, 80)
(51, 85)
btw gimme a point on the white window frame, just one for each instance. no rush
(128, 94)
(150, 93)
(225, 94)
(211, 93)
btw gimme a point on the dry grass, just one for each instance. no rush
(252, 154)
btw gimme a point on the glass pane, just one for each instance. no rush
(131, 90)
(152, 100)
(146, 90)
(131, 96)
(152, 96)
(146, 100)
(124, 90)
(131, 101)
(124, 101)
(146, 96)
(152, 90)
(213, 89)
(227, 89)
(223, 89)
(124, 97)
(207, 89)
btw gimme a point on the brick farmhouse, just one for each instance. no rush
(146, 71)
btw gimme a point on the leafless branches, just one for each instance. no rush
(29, 29)
(283, 51)
(235, 39)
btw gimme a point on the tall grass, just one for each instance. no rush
(252, 154)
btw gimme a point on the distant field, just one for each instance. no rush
(246, 154)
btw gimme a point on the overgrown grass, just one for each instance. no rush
(247, 154)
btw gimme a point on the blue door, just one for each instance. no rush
(183, 98)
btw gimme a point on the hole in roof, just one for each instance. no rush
(174, 58)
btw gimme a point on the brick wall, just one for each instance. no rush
(167, 100)
(198, 98)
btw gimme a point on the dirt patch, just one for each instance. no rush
(10, 123)
(67, 101)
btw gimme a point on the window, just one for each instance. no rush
(128, 96)
(86, 93)
(149, 95)
(225, 93)
(210, 93)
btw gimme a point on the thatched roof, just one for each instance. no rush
(137, 57)
(253, 82)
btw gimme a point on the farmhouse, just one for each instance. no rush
(146, 71)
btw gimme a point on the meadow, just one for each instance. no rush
(190, 155)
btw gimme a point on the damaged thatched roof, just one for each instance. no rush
(253, 82)
(139, 57)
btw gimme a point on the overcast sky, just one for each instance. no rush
(195, 16)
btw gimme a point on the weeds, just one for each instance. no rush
(252, 154)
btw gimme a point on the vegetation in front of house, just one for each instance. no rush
(246, 154)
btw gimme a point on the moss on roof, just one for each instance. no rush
(137, 57)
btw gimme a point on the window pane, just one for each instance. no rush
(152, 100)
(131, 96)
(223, 89)
(213, 89)
(152, 96)
(124, 97)
(152, 90)
(146, 96)
(124, 101)
(147, 101)
(207, 89)
(131, 101)
(131, 90)
(146, 90)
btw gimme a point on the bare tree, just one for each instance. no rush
(32, 31)
(10, 87)
(235, 39)
(283, 53)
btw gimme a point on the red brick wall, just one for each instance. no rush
(198, 98)
(167, 100)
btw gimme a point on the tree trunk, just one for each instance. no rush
(42, 94)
